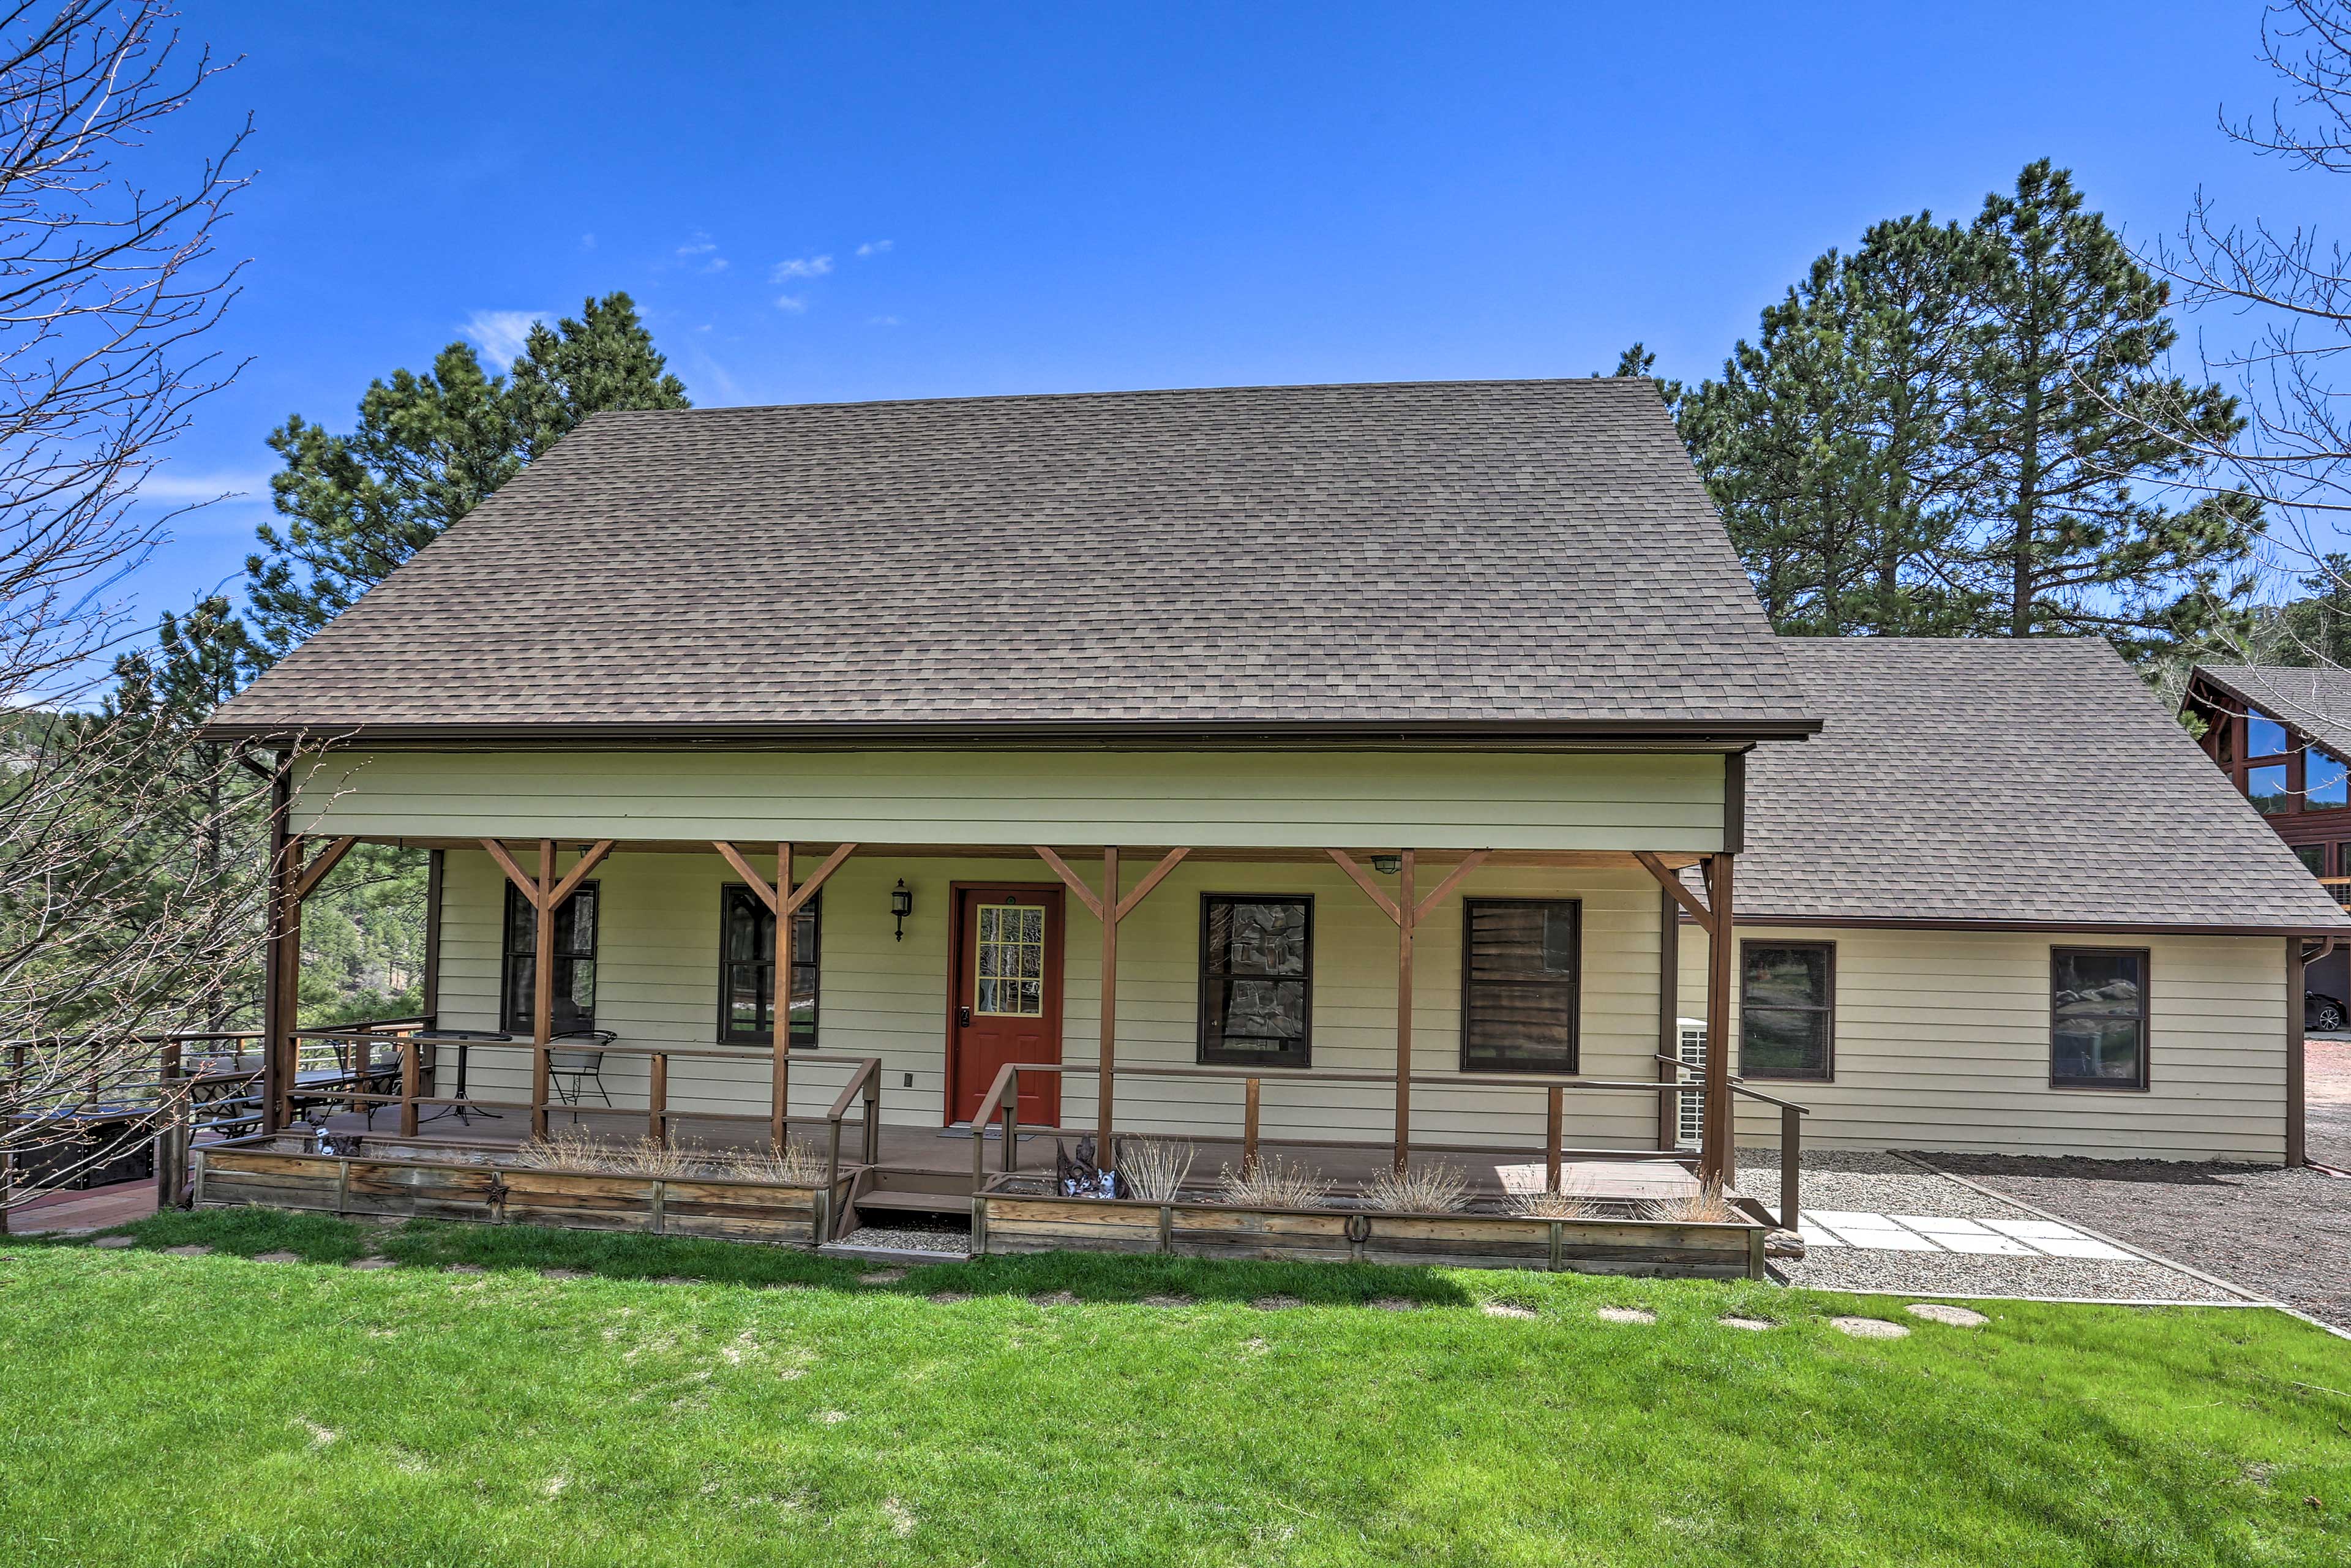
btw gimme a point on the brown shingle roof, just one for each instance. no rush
(2005, 781)
(1534, 554)
(2314, 700)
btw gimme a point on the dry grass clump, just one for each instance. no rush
(794, 1164)
(1705, 1206)
(577, 1149)
(1436, 1188)
(1557, 1205)
(1272, 1183)
(1152, 1171)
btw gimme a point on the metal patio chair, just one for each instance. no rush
(574, 1072)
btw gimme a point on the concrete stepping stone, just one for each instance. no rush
(1869, 1328)
(112, 1242)
(1625, 1316)
(1056, 1298)
(2057, 1240)
(881, 1277)
(950, 1298)
(1166, 1300)
(1276, 1304)
(1944, 1313)
(1396, 1304)
(675, 1280)
(1508, 1309)
(465, 1269)
(561, 1274)
(370, 1264)
(188, 1251)
(1753, 1325)
(281, 1256)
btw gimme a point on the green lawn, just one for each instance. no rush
(216, 1410)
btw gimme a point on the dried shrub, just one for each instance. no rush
(1151, 1170)
(794, 1164)
(577, 1149)
(1272, 1183)
(1436, 1188)
(1705, 1206)
(1557, 1205)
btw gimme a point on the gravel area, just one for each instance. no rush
(2327, 1101)
(911, 1238)
(1881, 1182)
(2282, 1233)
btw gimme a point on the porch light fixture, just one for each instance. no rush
(901, 905)
(1387, 865)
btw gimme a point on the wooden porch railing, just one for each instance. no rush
(1002, 1102)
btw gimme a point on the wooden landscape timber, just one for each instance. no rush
(280, 1173)
(1007, 1217)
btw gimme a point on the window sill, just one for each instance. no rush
(2092, 1086)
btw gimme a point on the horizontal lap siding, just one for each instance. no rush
(1942, 1042)
(1256, 799)
(657, 983)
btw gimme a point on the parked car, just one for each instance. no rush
(2323, 1013)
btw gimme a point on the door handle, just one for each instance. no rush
(963, 1016)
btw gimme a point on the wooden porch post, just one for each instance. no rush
(779, 1111)
(1408, 919)
(277, 1021)
(1669, 1007)
(1105, 1158)
(542, 989)
(1715, 1158)
(2296, 1153)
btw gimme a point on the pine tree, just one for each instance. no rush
(2073, 436)
(427, 450)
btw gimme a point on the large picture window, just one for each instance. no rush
(747, 970)
(1257, 976)
(1787, 1010)
(1520, 972)
(575, 963)
(2098, 1017)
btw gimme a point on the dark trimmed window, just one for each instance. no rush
(1257, 980)
(1787, 1010)
(1521, 966)
(2325, 781)
(2098, 1017)
(747, 970)
(2313, 858)
(575, 963)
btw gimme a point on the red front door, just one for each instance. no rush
(1005, 1001)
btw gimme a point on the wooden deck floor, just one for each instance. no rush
(948, 1153)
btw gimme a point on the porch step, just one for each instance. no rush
(916, 1202)
(910, 1179)
(901, 1255)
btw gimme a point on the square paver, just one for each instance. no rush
(1884, 1237)
(1939, 1225)
(1814, 1235)
(2077, 1247)
(1985, 1244)
(2035, 1229)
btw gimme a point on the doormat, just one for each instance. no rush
(994, 1130)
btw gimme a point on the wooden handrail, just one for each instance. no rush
(864, 1083)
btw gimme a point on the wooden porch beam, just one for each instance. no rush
(1469, 862)
(1361, 879)
(1167, 863)
(1714, 1152)
(515, 873)
(1406, 922)
(1076, 884)
(779, 899)
(589, 861)
(808, 889)
(542, 991)
(325, 860)
(1681, 894)
(758, 883)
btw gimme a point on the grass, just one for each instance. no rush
(216, 1410)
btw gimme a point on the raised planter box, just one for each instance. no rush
(280, 1173)
(1006, 1218)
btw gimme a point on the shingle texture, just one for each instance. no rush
(2004, 781)
(1514, 551)
(2316, 700)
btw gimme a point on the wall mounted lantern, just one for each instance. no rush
(901, 905)
(1387, 865)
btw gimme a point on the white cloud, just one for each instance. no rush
(500, 333)
(700, 245)
(586, 242)
(791, 303)
(800, 266)
(882, 321)
(875, 246)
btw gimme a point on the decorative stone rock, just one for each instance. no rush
(1753, 1325)
(1625, 1316)
(1508, 1309)
(110, 1241)
(1869, 1328)
(278, 1256)
(1783, 1244)
(1944, 1313)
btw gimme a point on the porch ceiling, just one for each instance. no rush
(1575, 859)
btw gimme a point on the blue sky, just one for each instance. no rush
(828, 202)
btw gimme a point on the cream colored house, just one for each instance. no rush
(1412, 739)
